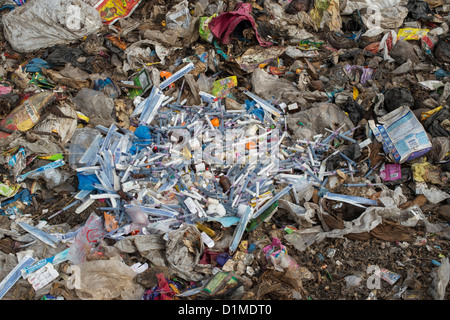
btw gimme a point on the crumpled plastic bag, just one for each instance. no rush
(44, 23)
(323, 115)
(96, 105)
(302, 215)
(183, 251)
(63, 126)
(392, 198)
(104, 280)
(435, 124)
(34, 144)
(256, 55)
(367, 221)
(79, 143)
(291, 26)
(385, 14)
(150, 246)
(179, 16)
(135, 52)
(175, 38)
(52, 177)
(441, 278)
(269, 86)
(389, 17)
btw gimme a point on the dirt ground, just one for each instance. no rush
(325, 267)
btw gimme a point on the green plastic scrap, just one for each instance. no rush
(254, 223)
(8, 191)
(39, 80)
(219, 50)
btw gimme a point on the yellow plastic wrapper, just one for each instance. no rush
(8, 191)
(411, 34)
(419, 170)
(355, 93)
(426, 115)
(428, 173)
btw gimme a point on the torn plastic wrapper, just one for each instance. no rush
(366, 72)
(17, 203)
(222, 284)
(391, 172)
(108, 87)
(63, 126)
(204, 31)
(255, 56)
(433, 194)
(441, 279)
(411, 34)
(43, 276)
(222, 88)
(8, 191)
(111, 10)
(143, 80)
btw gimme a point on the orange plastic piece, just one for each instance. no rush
(251, 145)
(215, 122)
(166, 75)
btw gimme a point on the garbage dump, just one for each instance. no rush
(224, 150)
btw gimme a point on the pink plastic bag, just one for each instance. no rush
(91, 234)
(224, 24)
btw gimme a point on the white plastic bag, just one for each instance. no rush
(104, 280)
(179, 16)
(440, 280)
(44, 23)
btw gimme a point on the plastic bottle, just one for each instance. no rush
(224, 183)
(27, 114)
(82, 139)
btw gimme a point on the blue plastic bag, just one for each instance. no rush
(86, 182)
(36, 65)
